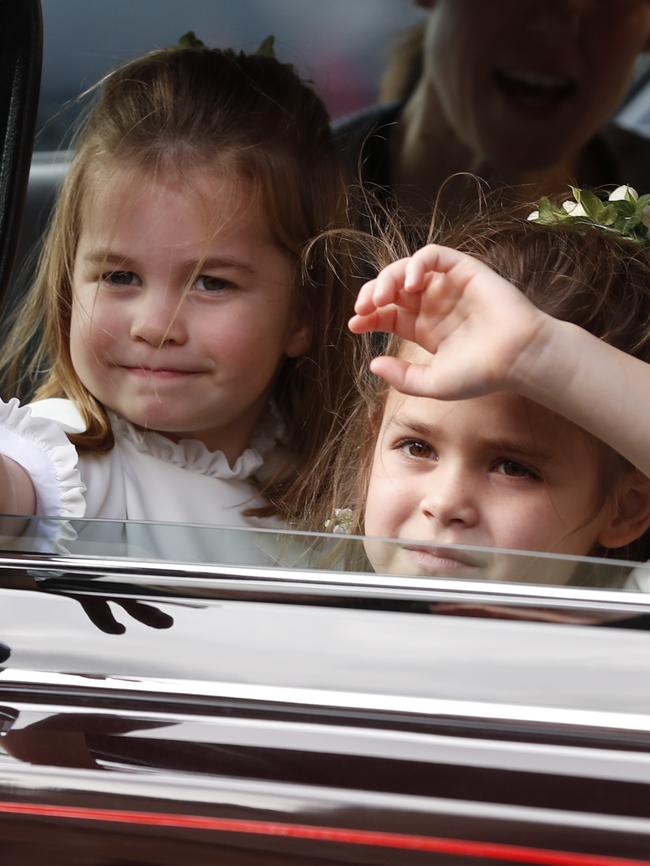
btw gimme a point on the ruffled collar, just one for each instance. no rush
(196, 457)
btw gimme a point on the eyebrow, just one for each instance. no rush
(515, 447)
(523, 449)
(112, 257)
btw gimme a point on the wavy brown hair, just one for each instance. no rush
(589, 276)
(179, 109)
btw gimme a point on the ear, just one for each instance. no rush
(630, 511)
(298, 341)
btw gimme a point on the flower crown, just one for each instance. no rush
(266, 48)
(624, 211)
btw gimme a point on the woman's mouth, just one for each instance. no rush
(534, 92)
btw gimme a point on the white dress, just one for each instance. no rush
(145, 477)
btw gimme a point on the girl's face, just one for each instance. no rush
(526, 83)
(493, 471)
(182, 306)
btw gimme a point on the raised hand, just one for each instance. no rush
(481, 332)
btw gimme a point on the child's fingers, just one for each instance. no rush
(400, 281)
(414, 276)
(364, 303)
(392, 370)
(435, 257)
(389, 282)
(384, 320)
(414, 379)
(380, 292)
(359, 324)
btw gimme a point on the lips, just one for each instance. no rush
(440, 560)
(159, 372)
(534, 91)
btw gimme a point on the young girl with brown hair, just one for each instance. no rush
(180, 346)
(511, 409)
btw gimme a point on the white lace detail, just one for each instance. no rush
(195, 456)
(42, 448)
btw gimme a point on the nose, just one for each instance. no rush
(158, 317)
(450, 497)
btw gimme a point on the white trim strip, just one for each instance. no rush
(403, 705)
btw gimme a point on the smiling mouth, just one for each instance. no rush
(534, 91)
(159, 372)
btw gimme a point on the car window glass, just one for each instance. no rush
(269, 550)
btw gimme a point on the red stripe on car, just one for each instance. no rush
(403, 841)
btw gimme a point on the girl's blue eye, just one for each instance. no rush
(120, 278)
(211, 285)
(514, 469)
(416, 448)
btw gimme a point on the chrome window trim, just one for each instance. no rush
(325, 699)
(420, 746)
(256, 579)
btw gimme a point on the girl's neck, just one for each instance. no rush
(425, 152)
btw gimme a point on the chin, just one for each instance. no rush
(524, 160)
(521, 153)
(158, 419)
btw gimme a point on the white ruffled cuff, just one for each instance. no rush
(41, 447)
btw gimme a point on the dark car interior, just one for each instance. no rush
(20, 73)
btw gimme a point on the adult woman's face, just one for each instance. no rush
(526, 83)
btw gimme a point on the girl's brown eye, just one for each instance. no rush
(211, 285)
(514, 469)
(416, 448)
(119, 278)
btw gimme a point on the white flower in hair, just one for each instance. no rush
(624, 193)
(341, 524)
(574, 208)
(623, 212)
(628, 193)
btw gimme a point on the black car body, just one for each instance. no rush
(263, 714)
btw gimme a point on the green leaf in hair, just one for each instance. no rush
(623, 211)
(190, 40)
(267, 47)
(591, 204)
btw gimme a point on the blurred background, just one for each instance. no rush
(340, 45)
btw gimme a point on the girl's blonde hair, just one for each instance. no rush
(591, 277)
(183, 108)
